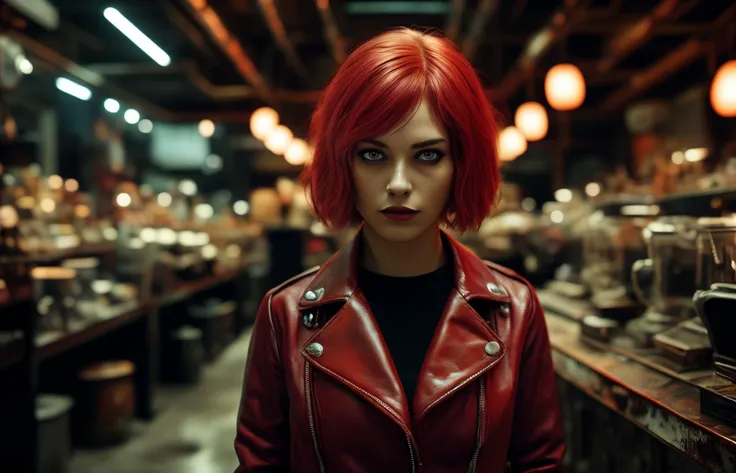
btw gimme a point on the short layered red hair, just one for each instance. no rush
(378, 87)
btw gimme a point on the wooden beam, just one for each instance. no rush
(331, 31)
(136, 68)
(482, 16)
(638, 33)
(228, 43)
(538, 45)
(676, 60)
(454, 21)
(278, 31)
(662, 69)
(225, 93)
(190, 30)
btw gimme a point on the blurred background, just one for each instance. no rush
(149, 160)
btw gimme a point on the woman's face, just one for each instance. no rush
(403, 179)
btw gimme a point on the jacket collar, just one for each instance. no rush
(352, 349)
(336, 280)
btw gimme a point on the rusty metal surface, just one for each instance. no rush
(666, 407)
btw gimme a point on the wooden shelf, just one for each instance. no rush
(188, 288)
(52, 344)
(57, 255)
(666, 407)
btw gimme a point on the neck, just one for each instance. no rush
(404, 259)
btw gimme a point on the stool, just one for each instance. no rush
(215, 319)
(54, 434)
(185, 355)
(106, 402)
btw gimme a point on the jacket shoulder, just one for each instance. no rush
(508, 273)
(294, 280)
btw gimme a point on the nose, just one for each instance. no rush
(399, 183)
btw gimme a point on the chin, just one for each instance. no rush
(399, 232)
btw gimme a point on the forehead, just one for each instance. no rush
(420, 124)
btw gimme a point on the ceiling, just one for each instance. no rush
(229, 57)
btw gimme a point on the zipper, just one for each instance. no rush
(411, 455)
(480, 426)
(310, 414)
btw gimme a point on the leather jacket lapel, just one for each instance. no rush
(353, 350)
(354, 353)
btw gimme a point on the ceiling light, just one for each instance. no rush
(132, 116)
(24, 65)
(136, 36)
(112, 105)
(145, 126)
(72, 88)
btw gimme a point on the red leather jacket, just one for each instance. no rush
(321, 393)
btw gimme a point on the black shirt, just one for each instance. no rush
(408, 310)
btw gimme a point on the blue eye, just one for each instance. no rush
(371, 155)
(430, 156)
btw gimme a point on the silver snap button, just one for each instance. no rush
(315, 349)
(496, 289)
(492, 348)
(314, 295)
(506, 309)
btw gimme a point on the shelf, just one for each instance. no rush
(666, 407)
(57, 255)
(194, 287)
(51, 344)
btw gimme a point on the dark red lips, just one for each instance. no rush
(399, 213)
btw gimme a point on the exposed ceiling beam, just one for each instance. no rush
(185, 25)
(668, 65)
(638, 33)
(224, 93)
(538, 45)
(331, 31)
(228, 43)
(87, 76)
(454, 21)
(278, 31)
(481, 17)
(135, 68)
(676, 60)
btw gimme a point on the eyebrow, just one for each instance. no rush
(421, 144)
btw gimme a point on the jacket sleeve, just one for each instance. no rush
(537, 439)
(262, 439)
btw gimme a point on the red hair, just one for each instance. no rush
(379, 85)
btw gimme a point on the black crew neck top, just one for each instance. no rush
(407, 310)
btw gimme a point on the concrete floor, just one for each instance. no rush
(193, 431)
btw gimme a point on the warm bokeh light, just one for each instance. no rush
(263, 121)
(206, 128)
(511, 144)
(564, 87)
(124, 199)
(71, 185)
(592, 189)
(532, 121)
(55, 182)
(279, 139)
(563, 195)
(297, 153)
(723, 90)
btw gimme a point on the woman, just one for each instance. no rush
(404, 352)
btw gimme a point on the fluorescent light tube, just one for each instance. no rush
(72, 88)
(136, 36)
